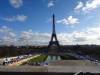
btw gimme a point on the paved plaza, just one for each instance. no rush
(67, 66)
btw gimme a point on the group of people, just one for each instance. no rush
(10, 60)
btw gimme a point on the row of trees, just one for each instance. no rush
(93, 50)
(14, 50)
(6, 51)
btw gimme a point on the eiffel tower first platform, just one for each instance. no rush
(53, 40)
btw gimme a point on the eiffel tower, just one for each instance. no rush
(54, 40)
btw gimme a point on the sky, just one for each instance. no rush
(29, 22)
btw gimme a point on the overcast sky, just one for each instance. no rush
(28, 22)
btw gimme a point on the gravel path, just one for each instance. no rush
(23, 69)
(73, 63)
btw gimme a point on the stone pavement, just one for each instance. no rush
(65, 67)
(57, 69)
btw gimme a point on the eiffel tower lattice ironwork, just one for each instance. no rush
(54, 40)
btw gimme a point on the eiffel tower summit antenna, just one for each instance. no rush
(54, 40)
(53, 24)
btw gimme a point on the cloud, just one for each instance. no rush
(91, 35)
(69, 21)
(51, 3)
(8, 37)
(20, 18)
(16, 3)
(88, 36)
(91, 5)
(30, 38)
(88, 6)
(79, 6)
